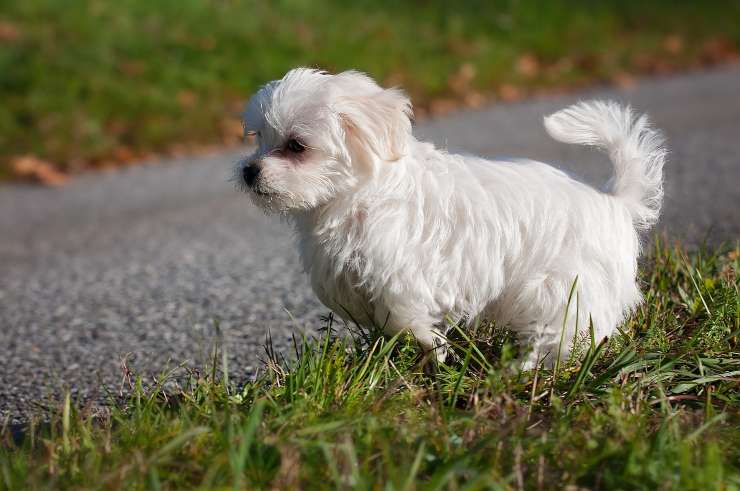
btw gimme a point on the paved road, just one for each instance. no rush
(144, 260)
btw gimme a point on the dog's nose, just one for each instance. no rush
(250, 173)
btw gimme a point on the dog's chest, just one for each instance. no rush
(334, 275)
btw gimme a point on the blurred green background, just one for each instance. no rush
(95, 83)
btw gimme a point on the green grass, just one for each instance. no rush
(656, 407)
(84, 82)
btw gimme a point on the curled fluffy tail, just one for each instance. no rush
(635, 149)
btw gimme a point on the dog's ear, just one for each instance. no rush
(376, 121)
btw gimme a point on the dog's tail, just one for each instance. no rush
(635, 149)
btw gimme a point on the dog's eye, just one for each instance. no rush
(294, 146)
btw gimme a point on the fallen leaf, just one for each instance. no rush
(509, 93)
(717, 50)
(474, 99)
(186, 98)
(624, 80)
(124, 154)
(673, 44)
(232, 131)
(527, 65)
(9, 32)
(31, 167)
(107, 164)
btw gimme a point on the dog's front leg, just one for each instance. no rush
(432, 340)
(426, 329)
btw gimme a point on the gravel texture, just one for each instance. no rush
(144, 262)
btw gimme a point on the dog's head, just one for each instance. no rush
(320, 135)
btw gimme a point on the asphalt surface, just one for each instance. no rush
(145, 261)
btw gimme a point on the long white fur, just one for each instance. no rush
(395, 232)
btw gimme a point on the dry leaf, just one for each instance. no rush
(527, 65)
(673, 44)
(187, 98)
(232, 131)
(624, 80)
(717, 50)
(124, 154)
(107, 164)
(509, 93)
(33, 168)
(474, 99)
(9, 32)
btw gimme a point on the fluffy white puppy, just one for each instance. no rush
(397, 233)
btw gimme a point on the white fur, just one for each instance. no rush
(396, 232)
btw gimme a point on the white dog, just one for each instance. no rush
(397, 233)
